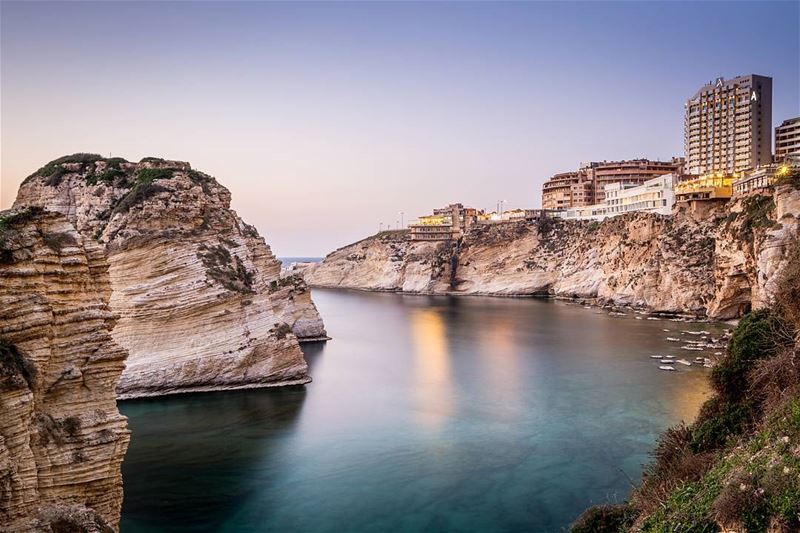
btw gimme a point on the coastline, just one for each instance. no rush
(585, 301)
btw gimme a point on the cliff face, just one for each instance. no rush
(720, 265)
(751, 249)
(198, 292)
(62, 439)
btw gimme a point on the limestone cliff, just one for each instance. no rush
(198, 292)
(719, 265)
(751, 249)
(62, 439)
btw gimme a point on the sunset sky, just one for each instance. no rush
(325, 119)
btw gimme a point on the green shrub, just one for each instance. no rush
(115, 162)
(721, 420)
(143, 188)
(226, 269)
(757, 211)
(604, 519)
(107, 176)
(54, 170)
(754, 338)
(686, 510)
(137, 195)
(149, 175)
(79, 158)
(674, 464)
(54, 176)
(202, 179)
(20, 217)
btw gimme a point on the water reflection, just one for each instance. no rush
(432, 385)
(195, 458)
(425, 414)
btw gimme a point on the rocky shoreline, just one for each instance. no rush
(717, 267)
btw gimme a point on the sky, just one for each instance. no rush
(327, 119)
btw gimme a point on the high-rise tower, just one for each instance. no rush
(728, 125)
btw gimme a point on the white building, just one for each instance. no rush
(656, 195)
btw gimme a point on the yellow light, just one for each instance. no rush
(783, 170)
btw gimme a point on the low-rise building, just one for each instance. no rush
(656, 195)
(587, 186)
(711, 187)
(515, 215)
(764, 176)
(445, 223)
(631, 172)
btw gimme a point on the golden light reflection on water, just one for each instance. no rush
(432, 380)
(686, 401)
(499, 354)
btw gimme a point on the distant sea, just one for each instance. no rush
(286, 261)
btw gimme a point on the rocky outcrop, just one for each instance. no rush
(752, 240)
(719, 265)
(198, 292)
(62, 439)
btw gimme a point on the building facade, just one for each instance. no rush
(655, 195)
(787, 139)
(728, 125)
(445, 223)
(711, 188)
(567, 189)
(631, 172)
(765, 176)
(587, 186)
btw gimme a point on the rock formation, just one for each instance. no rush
(718, 266)
(62, 439)
(198, 292)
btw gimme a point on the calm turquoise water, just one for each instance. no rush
(425, 414)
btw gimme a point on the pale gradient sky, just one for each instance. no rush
(324, 119)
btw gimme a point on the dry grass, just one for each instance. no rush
(776, 380)
(786, 299)
(674, 464)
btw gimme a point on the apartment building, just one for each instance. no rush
(728, 125)
(655, 195)
(587, 186)
(787, 139)
(567, 189)
(631, 172)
